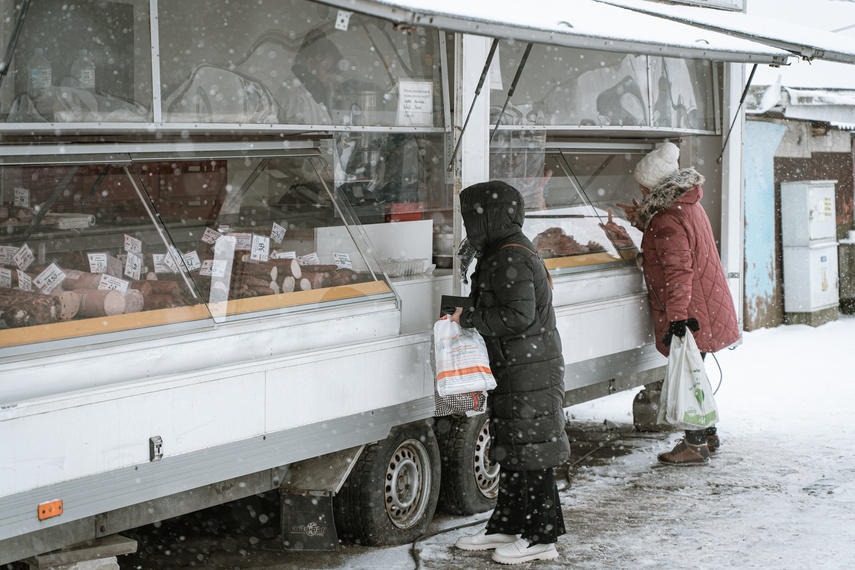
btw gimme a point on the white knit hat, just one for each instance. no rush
(658, 165)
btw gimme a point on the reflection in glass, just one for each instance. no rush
(564, 86)
(683, 94)
(78, 61)
(278, 61)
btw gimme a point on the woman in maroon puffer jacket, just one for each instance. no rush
(685, 280)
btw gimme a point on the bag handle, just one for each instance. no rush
(548, 275)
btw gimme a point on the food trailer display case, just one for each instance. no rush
(225, 232)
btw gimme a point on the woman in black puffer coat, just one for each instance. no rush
(513, 311)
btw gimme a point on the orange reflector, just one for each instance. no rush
(50, 509)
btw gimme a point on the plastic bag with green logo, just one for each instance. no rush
(687, 400)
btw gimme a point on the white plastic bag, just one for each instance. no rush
(687, 400)
(462, 364)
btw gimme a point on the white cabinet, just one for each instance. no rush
(808, 232)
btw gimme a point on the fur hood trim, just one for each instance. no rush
(666, 193)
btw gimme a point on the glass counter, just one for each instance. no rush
(570, 192)
(142, 239)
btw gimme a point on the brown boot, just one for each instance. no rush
(713, 443)
(686, 454)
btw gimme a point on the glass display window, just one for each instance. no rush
(141, 240)
(292, 62)
(567, 87)
(571, 192)
(77, 61)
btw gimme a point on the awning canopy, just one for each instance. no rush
(586, 24)
(808, 43)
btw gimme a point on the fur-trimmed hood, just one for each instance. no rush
(666, 193)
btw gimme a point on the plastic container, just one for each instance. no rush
(84, 70)
(404, 267)
(39, 72)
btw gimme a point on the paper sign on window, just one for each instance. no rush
(415, 103)
(48, 279)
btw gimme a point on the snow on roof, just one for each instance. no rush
(806, 41)
(581, 23)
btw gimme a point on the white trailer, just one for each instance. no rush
(205, 296)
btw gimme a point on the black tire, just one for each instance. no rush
(371, 510)
(470, 481)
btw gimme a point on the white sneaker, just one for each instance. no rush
(519, 551)
(484, 541)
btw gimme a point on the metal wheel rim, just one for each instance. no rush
(407, 484)
(486, 472)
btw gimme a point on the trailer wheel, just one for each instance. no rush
(470, 481)
(391, 494)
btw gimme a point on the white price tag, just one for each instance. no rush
(213, 268)
(191, 260)
(260, 248)
(211, 236)
(7, 254)
(97, 262)
(172, 259)
(279, 254)
(133, 245)
(6, 278)
(133, 267)
(277, 234)
(25, 282)
(243, 242)
(342, 260)
(310, 259)
(48, 279)
(224, 229)
(159, 264)
(24, 257)
(111, 283)
(22, 197)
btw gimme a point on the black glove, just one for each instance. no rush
(678, 328)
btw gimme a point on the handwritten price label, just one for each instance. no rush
(6, 278)
(279, 254)
(24, 257)
(110, 283)
(22, 197)
(172, 259)
(133, 267)
(159, 264)
(243, 242)
(211, 236)
(48, 279)
(97, 262)
(260, 248)
(7, 254)
(342, 260)
(133, 245)
(310, 259)
(191, 260)
(277, 234)
(25, 282)
(213, 268)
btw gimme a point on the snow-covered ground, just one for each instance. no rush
(779, 494)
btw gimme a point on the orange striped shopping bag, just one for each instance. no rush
(462, 364)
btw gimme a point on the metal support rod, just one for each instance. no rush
(512, 89)
(13, 40)
(474, 99)
(736, 116)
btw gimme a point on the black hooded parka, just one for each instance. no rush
(513, 312)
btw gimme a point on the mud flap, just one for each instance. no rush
(307, 521)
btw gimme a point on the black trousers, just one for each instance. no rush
(699, 436)
(529, 505)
